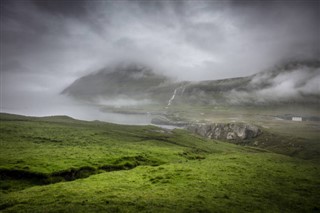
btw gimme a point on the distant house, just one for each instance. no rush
(297, 118)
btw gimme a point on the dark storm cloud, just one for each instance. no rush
(46, 44)
(182, 35)
(72, 8)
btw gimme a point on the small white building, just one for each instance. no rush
(297, 118)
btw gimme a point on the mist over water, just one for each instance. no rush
(44, 105)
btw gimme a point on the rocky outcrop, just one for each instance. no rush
(221, 131)
(225, 131)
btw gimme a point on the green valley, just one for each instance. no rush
(59, 164)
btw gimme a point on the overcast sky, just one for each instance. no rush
(46, 44)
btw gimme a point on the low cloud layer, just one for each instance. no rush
(298, 85)
(46, 45)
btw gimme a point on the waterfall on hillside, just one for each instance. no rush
(173, 96)
(179, 90)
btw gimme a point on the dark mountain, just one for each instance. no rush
(125, 80)
(293, 82)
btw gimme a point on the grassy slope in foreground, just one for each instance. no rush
(177, 172)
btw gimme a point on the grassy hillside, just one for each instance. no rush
(58, 164)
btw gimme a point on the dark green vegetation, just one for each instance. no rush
(58, 164)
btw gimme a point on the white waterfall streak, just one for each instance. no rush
(173, 96)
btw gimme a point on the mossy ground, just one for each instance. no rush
(153, 170)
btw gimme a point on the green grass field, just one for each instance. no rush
(58, 164)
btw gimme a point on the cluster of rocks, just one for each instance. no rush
(221, 131)
(225, 131)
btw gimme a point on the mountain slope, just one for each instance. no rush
(293, 82)
(126, 80)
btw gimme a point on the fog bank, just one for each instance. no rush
(46, 45)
